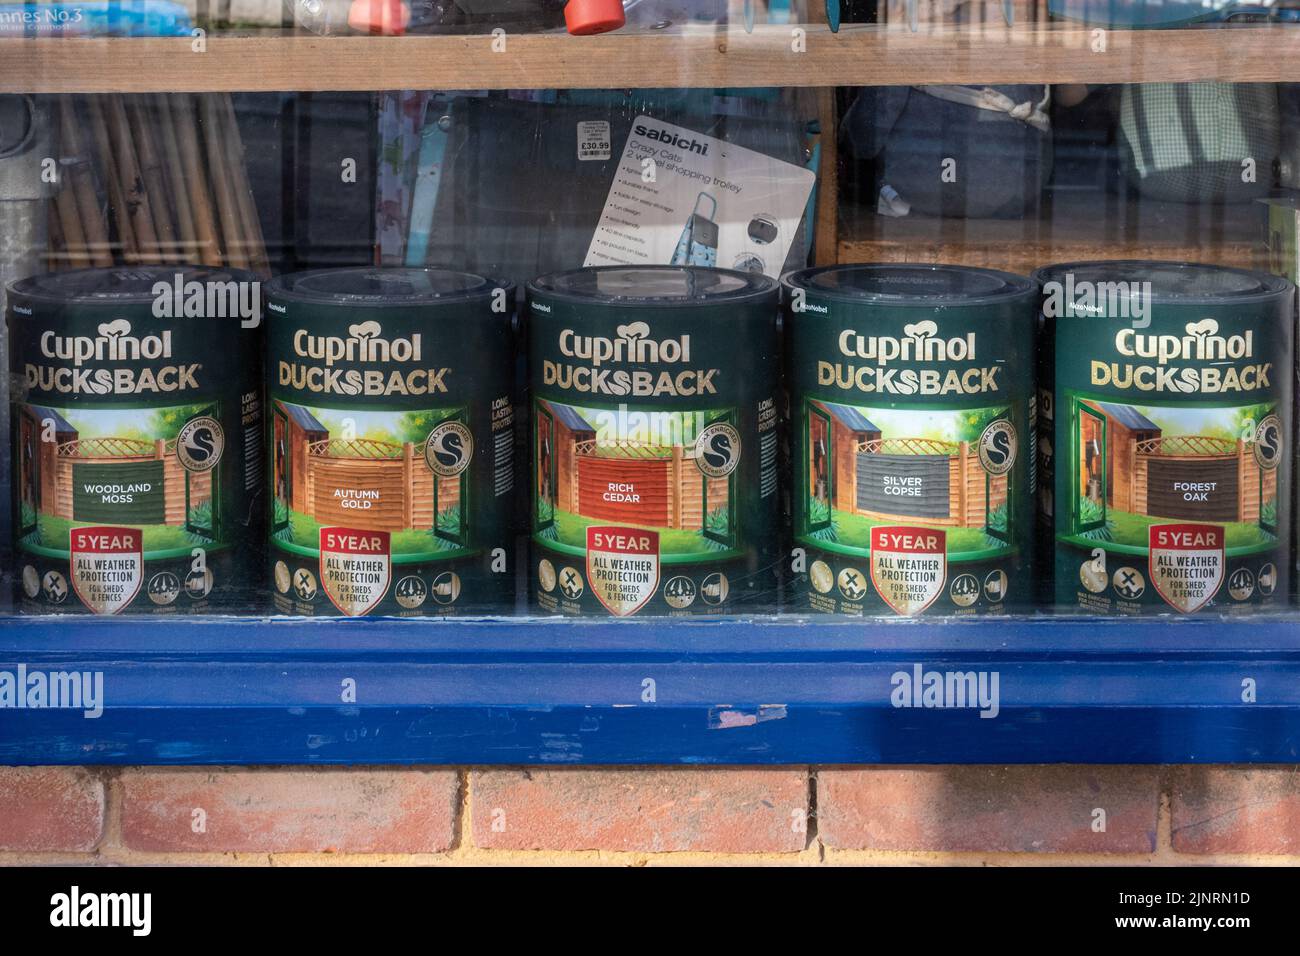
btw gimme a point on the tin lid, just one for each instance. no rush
(119, 285)
(650, 286)
(930, 286)
(367, 286)
(1181, 283)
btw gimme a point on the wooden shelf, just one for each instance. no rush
(859, 55)
(1075, 227)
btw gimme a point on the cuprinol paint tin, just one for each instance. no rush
(911, 397)
(391, 442)
(654, 441)
(1166, 417)
(137, 423)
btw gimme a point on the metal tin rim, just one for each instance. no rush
(279, 289)
(29, 288)
(757, 288)
(1017, 286)
(1274, 286)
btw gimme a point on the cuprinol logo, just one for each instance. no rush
(115, 343)
(86, 375)
(1201, 342)
(632, 345)
(919, 342)
(365, 344)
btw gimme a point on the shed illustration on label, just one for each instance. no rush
(908, 566)
(622, 567)
(106, 566)
(355, 568)
(1187, 562)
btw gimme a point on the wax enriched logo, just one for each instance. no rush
(365, 344)
(1268, 443)
(200, 443)
(114, 343)
(717, 450)
(919, 342)
(1201, 342)
(633, 345)
(997, 447)
(449, 449)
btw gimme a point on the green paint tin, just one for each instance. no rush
(136, 421)
(391, 442)
(1166, 415)
(911, 399)
(654, 478)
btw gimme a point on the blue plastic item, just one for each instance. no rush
(1140, 14)
(108, 18)
(698, 245)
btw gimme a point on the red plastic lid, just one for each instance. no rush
(585, 17)
(387, 17)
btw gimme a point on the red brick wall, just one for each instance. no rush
(797, 815)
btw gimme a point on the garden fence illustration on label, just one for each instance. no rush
(1127, 464)
(396, 489)
(853, 469)
(664, 486)
(58, 478)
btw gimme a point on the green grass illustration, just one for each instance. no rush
(571, 529)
